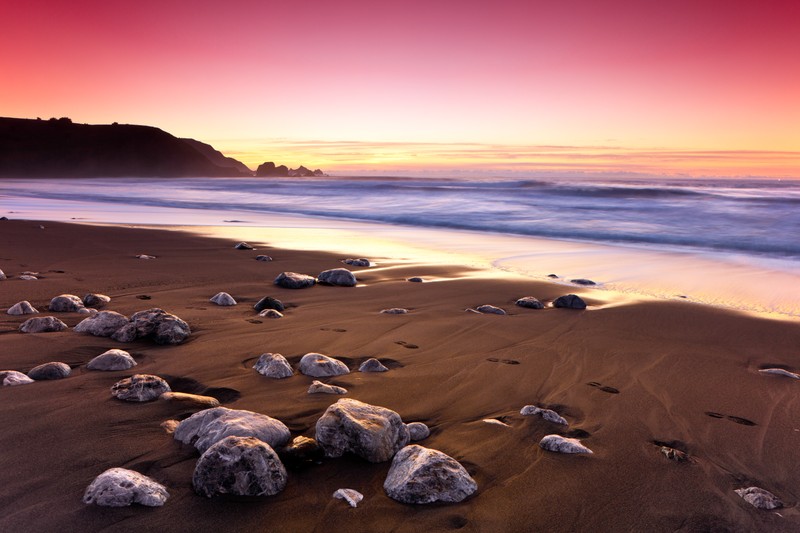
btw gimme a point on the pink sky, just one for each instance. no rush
(697, 87)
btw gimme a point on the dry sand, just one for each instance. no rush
(671, 362)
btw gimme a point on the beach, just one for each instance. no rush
(629, 376)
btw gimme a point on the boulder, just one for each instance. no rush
(317, 365)
(270, 313)
(581, 281)
(530, 302)
(42, 324)
(557, 443)
(340, 277)
(371, 432)
(112, 360)
(547, 414)
(95, 300)
(293, 280)
(223, 298)
(417, 431)
(422, 475)
(139, 388)
(190, 399)
(490, 310)
(372, 365)
(273, 365)
(157, 324)
(207, 427)
(52, 370)
(395, 311)
(569, 301)
(66, 303)
(243, 246)
(240, 466)
(11, 378)
(317, 387)
(360, 262)
(120, 487)
(22, 308)
(349, 495)
(264, 258)
(103, 324)
(760, 498)
(268, 302)
(301, 452)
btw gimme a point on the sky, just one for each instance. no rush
(697, 87)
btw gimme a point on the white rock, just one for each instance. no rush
(102, 324)
(394, 311)
(22, 308)
(207, 427)
(372, 365)
(320, 387)
(223, 298)
(421, 475)
(42, 324)
(418, 431)
(2, 275)
(547, 414)
(557, 443)
(120, 487)
(273, 365)
(321, 366)
(349, 495)
(28, 277)
(111, 360)
(11, 378)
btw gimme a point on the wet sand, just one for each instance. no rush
(684, 374)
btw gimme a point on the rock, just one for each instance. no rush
(371, 432)
(415, 279)
(395, 311)
(422, 475)
(145, 256)
(495, 422)
(241, 466)
(191, 399)
(775, 371)
(85, 311)
(490, 309)
(760, 498)
(552, 276)
(674, 454)
(28, 277)
(293, 280)
(317, 365)
(52, 370)
(103, 324)
(95, 300)
(29, 273)
(2, 275)
(263, 258)
(11, 378)
(586, 282)
(273, 365)
(317, 387)
(269, 169)
(268, 302)
(170, 425)
(349, 495)
(157, 324)
(340, 277)
(569, 301)
(223, 298)
(557, 443)
(112, 360)
(530, 302)
(301, 452)
(360, 262)
(120, 487)
(66, 303)
(372, 365)
(22, 308)
(42, 324)
(139, 388)
(547, 414)
(207, 427)
(243, 246)
(417, 431)
(270, 313)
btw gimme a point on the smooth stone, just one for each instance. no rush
(301, 452)
(86, 311)
(12, 378)
(110, 360)
(547, 414)
(243, 246)
(28, 277)
(293, 280)
(349, 495)
(263, 258)
(95, 300)
(760, 498)
(22, 308)
(273, 365)
(223, 298)
(581, 281)
(372, 365)
(421, 475)
(569, 301)
(360, 262)
(490, 309)
(373, 433)
(52, 370)
(415, 279)
(268, 302)
(207, 427)
(157, 324)
(103, 324)
(339, 277)
(120, 487)
(318, 387)
(530, 302)
(780, 372)
(418, 431)
(395, 311)
(65, 303)
(42, 324)
(145, 256)
(270, 313)
(139, 388)
(240, 466)
(317, 365)
(557, 443)
(192, 399)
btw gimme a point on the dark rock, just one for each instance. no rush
(301, 452)
(95, 300)
(223, 298)
(675, 454)
(372, 365)
(569, 301)
(422, 475)
(417, 431)
(103, 324)
(269, 169)
(415, 279)
(11, 378)
(273, 365)
(157, 324)
(530, 302)
(760, 498)
(207, 427)
(371, 432)
(293, 280)
(139, 388)
(120, 487)
(66, 303)
(586, 282)
(321, 366)
(264, 258)
(360, 262)
(22, 308)
(52, 370)
(241, 466)
(243, 246)
(112, 360)
(42, 324)
(268, 302)
(557, 443)
(340, 277)
(552, 276)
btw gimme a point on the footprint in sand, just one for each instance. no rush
(737, 419)
(504, 361)
(604, 388)
(408, 345)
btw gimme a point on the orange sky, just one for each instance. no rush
(697, 87)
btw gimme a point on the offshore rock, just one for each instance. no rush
(557, 443)
(223, 298)
(241, 466)
(372, 365)
(569, 301)
(22, 308)
(52, 370)
(530, 302)
(11, 378)
(207, 427)
(317, 387)
(120, 487)
(293, 280)
(547, 414)
(268, 302)
(103, 324)
(139, 388)
(317, 365)
(340, 277)
(422, 475)
(273, 365)
(42, 324)
(112, 360)
(66, 303)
